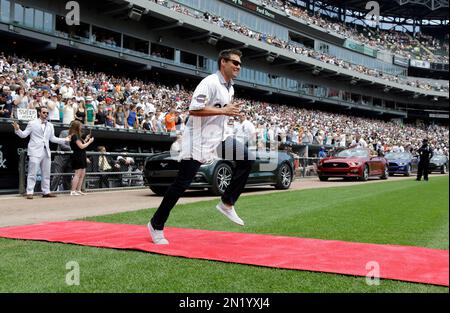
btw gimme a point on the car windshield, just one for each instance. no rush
(397, 155)
(353, 153)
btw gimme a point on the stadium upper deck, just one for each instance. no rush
(341, 18)
(187, 44)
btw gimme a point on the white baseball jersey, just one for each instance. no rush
(203, 134)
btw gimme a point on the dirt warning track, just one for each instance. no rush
(16, 210)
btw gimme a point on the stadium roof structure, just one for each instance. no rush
(412, 9)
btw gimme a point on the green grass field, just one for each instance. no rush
(401, 212)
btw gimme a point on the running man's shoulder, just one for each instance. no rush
(211, 79)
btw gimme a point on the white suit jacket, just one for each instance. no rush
(39, 140)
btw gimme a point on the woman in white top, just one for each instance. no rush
(69, 111)
(53, 110)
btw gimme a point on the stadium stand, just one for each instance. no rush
(396, 42)
(290, 124)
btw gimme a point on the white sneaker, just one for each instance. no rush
(157, 235)
(81, 193)
(74, 193)
(230, 213)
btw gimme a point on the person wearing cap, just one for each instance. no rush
(322, 153)
(90, 111)
(425, 154)
(147, 122)
(140, 116)
(53, 109)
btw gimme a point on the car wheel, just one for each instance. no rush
(323, 178)
(385, 173)
(408, 170)
(444, 169)
(284, 177)
(221, 179)
(158, 190)
(365, 174)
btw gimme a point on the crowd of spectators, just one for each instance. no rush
(305, 126)
(297, 48)
(397, 42)
(108, 101)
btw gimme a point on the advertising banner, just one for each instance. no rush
(402, 61)
(350, 44)
(420, 63)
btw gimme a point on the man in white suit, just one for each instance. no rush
(41, 132)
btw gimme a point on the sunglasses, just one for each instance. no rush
(235, 63)
(44, 112)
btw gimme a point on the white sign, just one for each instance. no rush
(26, 114)
(73, 276)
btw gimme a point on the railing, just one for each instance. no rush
(307, 166)
(126, 171)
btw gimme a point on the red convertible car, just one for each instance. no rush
(353, 163)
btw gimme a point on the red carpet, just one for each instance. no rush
(405, 263)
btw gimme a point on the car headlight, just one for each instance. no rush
(402, 163)
(208, 163)
(354, 163)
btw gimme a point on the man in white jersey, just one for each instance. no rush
(204, 139)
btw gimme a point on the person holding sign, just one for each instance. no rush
(21, 101)
(41, 132)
